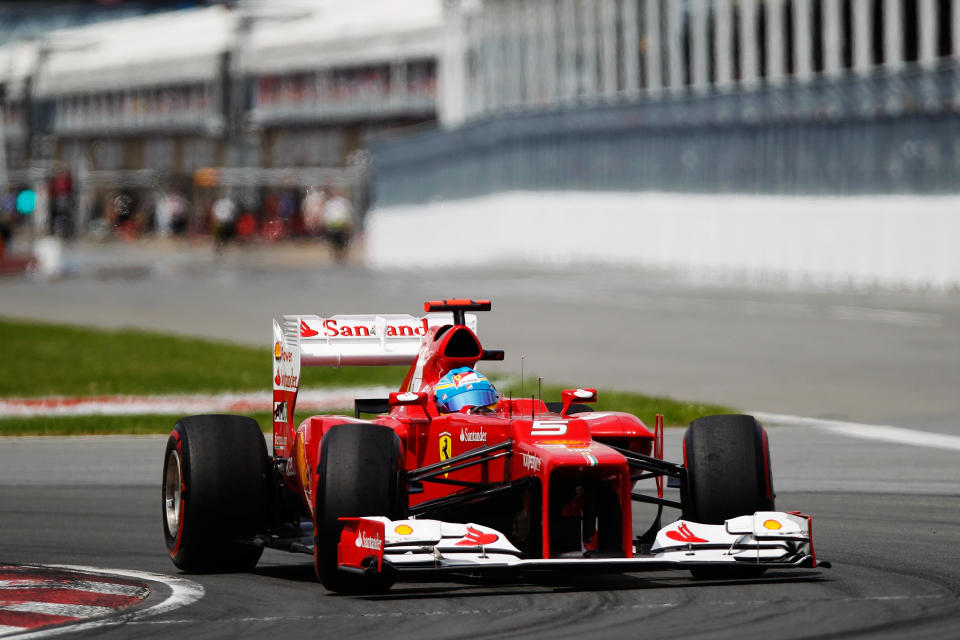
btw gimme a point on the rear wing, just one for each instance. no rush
(337, 341)
(357, 340)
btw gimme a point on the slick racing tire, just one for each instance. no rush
(728, 475)
(728, 469)
(360, 474)
(215, 493)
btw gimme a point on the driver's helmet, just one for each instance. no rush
(464, 387)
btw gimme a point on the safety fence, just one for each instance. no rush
(885, 133)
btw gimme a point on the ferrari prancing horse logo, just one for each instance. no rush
(446, 447)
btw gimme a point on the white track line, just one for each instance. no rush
(878, 432)
(182, 593)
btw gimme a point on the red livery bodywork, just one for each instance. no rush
(543, 444)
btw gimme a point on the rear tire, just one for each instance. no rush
(360, 474)
(728, 475)
(215, 491)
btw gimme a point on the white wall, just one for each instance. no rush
(889, 241)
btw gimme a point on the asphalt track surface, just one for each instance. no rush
(886, 514)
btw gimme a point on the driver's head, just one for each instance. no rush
(464, 387)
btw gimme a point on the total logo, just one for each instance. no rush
(374, 542)
(473, 436)
(530, 461)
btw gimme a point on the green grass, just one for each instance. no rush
(102, 425)
(46, 359)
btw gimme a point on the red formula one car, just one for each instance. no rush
(498, 485)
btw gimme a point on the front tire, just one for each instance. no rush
(728, 475)
(360, 474)
(215, 491)
(728, 469)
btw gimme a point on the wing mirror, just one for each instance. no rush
(571, 396)
(407, 398)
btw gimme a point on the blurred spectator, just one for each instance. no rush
(246, 225)
(224, 215)
(286, 209)
(6, 228)
(120, 215)
(313, 205)
(143, 217)
(171, 214)
(338, 223)
(61, 194)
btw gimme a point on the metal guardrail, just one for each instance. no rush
(883, 133)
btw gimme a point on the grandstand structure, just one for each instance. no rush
(276, 92)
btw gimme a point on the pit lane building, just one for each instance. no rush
(260, 94)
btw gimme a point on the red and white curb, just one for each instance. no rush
(40, 601)
(316, 399)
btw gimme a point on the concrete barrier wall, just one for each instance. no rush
(887, 241)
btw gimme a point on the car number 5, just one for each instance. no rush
(548, 427)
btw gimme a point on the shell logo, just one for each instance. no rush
(773, 525)
(403, 529)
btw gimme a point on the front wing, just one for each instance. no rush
(766, 539)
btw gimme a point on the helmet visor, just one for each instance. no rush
(472, 398)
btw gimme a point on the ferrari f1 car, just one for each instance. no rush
(517, 486)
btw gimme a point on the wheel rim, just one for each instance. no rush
(171, 493)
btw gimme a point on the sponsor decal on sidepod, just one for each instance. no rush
(530, 461)
(473, 436)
